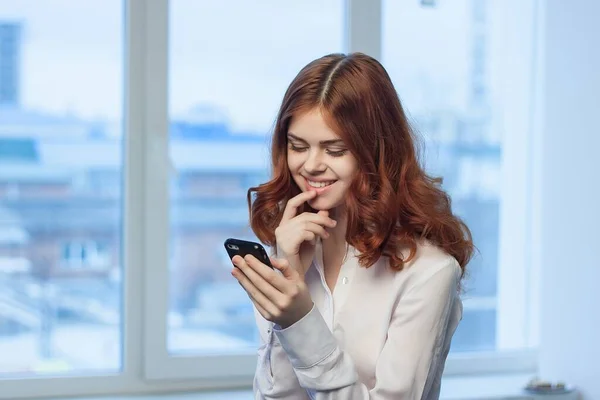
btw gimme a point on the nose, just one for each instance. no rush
(314, 163)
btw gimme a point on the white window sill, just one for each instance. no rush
(491, 387)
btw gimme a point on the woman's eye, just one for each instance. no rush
(297, 148)
(337, 153)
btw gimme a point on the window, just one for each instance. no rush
(85, 254)
(225, 93)
(61, 73)
(449, 62)
(132, 130)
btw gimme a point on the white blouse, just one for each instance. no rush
(381, 334)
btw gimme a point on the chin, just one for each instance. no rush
(320, 204)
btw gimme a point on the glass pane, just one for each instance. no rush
(60, 186)
(473, 333)
(230, 64)
(439, 58)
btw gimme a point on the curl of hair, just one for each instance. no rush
(392, 203)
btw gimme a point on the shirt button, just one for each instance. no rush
(345, 280)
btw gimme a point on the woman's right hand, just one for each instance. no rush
(296, 234)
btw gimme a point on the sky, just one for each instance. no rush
(234, 56)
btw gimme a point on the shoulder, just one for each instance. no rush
(431, 266)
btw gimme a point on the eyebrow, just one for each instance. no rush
(322, 142)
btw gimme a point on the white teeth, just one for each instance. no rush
(320, 184)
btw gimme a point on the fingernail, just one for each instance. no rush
(334, 222)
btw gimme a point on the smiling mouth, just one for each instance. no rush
(319, 185)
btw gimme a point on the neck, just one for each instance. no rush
(335, 245)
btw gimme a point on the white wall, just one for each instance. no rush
(568, 199)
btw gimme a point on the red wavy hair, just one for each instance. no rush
(393, 203)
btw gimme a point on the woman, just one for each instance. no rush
(365, 296)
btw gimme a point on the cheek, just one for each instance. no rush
(347, 170)
(294, 163)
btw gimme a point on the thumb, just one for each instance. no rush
(281, 264)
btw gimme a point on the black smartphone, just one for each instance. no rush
(243, 247)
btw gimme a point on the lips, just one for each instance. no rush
(319, 186)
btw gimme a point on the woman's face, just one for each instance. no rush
(319, 160)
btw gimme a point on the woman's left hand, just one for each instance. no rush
(281, 298)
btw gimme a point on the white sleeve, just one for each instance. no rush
(274, 377)
(409, 360)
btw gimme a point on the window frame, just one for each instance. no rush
(147, 366)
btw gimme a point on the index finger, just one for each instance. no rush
(259, 274)
(291, 208)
